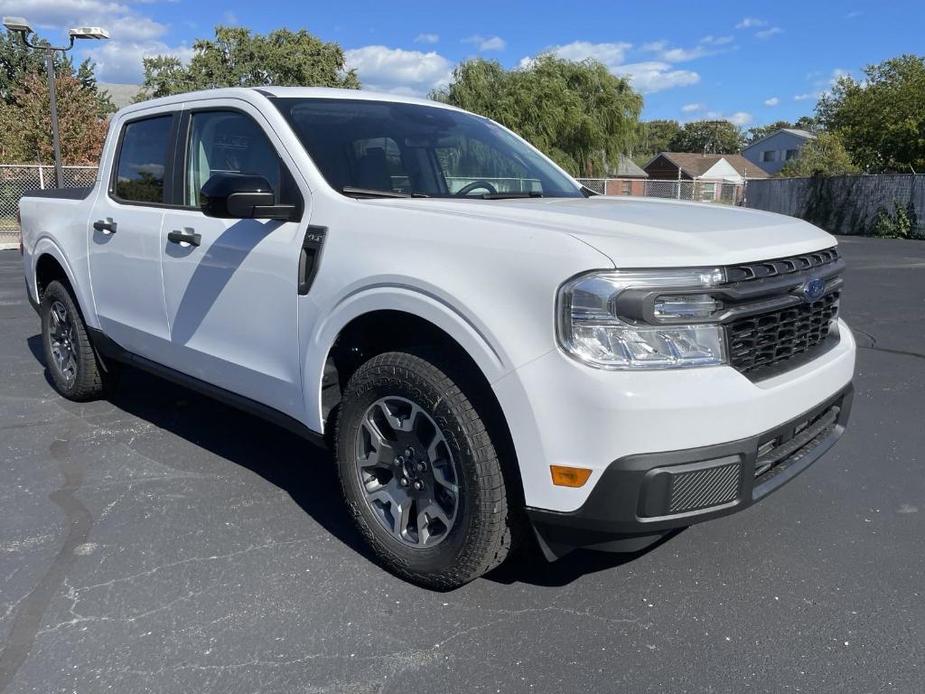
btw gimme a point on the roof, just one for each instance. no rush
(695, 165)
(248, 94)
(627, 168)
(796, 132)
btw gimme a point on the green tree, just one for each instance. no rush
(880, 118)
(824, 156)
(18, 62)
(807, 123)
(25, 122)
(238, 58)
(708, 137)
(655, 136)
(760, 131)
(576, 112)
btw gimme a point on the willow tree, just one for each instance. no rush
(577, 112)
(238, 58)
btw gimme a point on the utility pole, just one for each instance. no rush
(53, 99)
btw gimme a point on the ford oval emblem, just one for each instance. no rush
(813, 288)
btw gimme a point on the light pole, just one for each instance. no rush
(23, 28)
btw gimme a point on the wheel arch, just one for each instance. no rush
(49, 264)
(387, 329)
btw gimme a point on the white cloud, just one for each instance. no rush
(134, 34)
(711, 40)
(751, 23)
(708, 45)
(611, 54)
(807, 96)
(854, 14)
(427, 38)
(121, 61)
(654, 76)
(52, 18)
(691, 108)
(647, 76)
(739, 118)
(773, 101)
(487, 43)
(399, 71)
(768, 33)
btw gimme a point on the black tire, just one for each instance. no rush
(479, 536)
(87, 380)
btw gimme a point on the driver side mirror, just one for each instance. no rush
(242, 196)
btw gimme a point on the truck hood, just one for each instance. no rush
(646, 232)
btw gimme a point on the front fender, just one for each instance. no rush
(484, 349)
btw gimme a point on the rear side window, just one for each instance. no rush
(143, 160)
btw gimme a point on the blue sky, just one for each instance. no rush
(749, 62)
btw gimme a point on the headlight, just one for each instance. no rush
(601, 319)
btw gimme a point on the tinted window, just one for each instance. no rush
(414, 148)
(143, 160)
(226, 141)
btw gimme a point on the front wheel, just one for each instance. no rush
(420, 473)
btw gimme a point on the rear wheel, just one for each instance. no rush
(420, 472)
(71, 361)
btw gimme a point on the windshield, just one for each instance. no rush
(368, 147)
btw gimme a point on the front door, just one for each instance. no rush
(125, 231)
(231, 290)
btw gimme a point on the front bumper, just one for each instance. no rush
(640, 498)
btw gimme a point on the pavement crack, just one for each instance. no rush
(29, 613)
(874, 347)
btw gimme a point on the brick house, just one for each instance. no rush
(707, 172)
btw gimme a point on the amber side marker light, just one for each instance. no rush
(563, 476)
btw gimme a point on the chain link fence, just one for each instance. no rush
(17, 179)
(723, 192)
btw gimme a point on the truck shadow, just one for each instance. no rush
(304, 471)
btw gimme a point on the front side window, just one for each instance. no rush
(769, 155)
(792, 154)
(416, 149)
(142, 160)
(228, 142)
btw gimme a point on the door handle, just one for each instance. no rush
(186, 236)
(107, 227)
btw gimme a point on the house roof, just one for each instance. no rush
(627, 168)
(803, 134)
(695, 165)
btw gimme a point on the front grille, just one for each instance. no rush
(766, 340)
(771, 327)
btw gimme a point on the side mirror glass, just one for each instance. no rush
(241, 196)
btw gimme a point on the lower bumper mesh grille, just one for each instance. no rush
(703, 488)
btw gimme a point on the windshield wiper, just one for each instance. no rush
(511, 195)
(376, 193)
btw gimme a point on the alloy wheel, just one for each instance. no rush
(407, 472)
(63, 338)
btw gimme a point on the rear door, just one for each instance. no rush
(125, 229)
(232, 300)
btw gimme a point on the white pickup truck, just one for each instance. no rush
(493, 352)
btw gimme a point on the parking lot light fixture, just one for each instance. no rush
(21, 26)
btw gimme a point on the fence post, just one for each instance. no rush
(41, 178)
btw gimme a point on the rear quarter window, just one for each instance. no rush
(142, 160)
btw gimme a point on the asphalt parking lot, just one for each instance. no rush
(164, 542)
